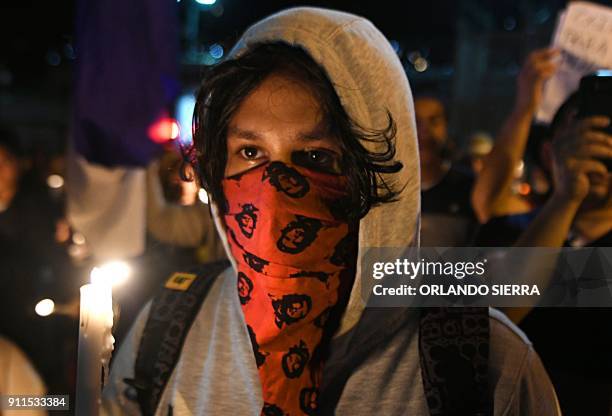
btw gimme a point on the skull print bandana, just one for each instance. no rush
(295, 259)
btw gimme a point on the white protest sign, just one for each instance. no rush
(584, 36)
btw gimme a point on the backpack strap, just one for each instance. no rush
(172, 312)
(454, 355)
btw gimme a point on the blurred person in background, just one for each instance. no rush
(574, 210)
(575, 343)
(447, 217)
(180, 233)
(29, 215)
(175, 213)
(18, 377)
(9, 168)
(493, 194)
(578, 148)
(33, 264)
(479, 146)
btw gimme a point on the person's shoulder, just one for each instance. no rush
(10, 351)
(177, 301)
(519, 381)
(505, 328)
(5, 344)
(7, 349)
(19, 376)
(509, 348)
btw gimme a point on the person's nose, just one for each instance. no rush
(281, 154)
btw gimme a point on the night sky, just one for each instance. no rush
(32, 31)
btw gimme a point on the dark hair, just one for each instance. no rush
(227, 84)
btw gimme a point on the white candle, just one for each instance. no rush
(95, 346)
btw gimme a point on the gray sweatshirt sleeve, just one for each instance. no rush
(534, 393)
(114, 399)
(522, 386)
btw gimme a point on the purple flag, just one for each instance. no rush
(126, 77)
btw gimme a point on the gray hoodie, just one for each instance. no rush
(216, 372)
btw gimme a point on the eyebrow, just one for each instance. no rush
(318, 133)
(243, 134)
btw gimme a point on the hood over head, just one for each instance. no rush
(370, 81)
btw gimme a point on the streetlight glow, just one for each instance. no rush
(45, 307)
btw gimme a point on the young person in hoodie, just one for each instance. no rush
(306, 144)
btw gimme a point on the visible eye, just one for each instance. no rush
(318, 159)
(250, 153)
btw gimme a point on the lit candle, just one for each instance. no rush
(95, 345)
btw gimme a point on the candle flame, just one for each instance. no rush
(114, 273)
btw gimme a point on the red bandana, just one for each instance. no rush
(293, 255)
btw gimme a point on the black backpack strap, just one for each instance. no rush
(171, 315)
(454, 355)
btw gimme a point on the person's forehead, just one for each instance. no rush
(282, 99)
(280, 106)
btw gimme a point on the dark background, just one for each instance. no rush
(474, 49)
